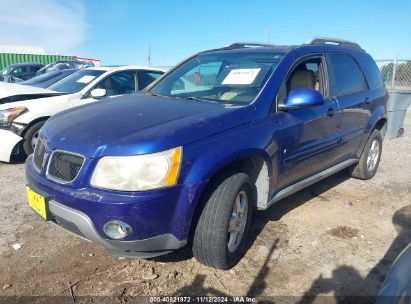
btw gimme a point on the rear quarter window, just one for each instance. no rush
(345, 75)
(373, 73)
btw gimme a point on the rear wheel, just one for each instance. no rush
(31, 137)
(221, 234)
(370, 158)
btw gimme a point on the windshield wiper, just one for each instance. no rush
(200, 99)
(157, 95)
(180, 97)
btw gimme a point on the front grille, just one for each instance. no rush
(67, 225)
(64, 166)
(38, 157)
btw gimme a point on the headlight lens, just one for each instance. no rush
(10, 114)
(139, 172)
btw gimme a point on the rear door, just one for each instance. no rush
(308, 140)
(349, 87)
(33, 70)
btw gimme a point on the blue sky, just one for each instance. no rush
(119, 32)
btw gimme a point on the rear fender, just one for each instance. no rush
(378, 114)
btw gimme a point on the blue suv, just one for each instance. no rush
(223, 133)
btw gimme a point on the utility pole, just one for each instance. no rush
(149, 55)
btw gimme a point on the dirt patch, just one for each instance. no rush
(344, 232)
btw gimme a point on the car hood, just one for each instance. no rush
(139, 124)
(11, 92)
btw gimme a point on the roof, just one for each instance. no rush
(25, 64)
(124, 67)
(264, 49)
(315, 43)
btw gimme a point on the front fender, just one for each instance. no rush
(202, 160)
(8, 140)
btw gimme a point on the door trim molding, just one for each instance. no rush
(309, 181)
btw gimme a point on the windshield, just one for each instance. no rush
(75, 82)
(43, 77)
(5, 71)
(56, 65)
(226, 77)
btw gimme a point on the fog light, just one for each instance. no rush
(117, 229)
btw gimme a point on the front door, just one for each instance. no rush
(116, 84)
(308, 140)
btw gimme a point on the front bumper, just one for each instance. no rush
(8, 140)
(160, 219)
(146, 248)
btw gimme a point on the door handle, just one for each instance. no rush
(331, 112)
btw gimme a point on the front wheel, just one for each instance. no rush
(370, 158)
(221, 233)
(31, 136)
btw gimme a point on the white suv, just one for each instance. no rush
(23, 112)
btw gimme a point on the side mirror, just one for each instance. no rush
(96, 93)
(302, 98)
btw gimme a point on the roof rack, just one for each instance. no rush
(248, 44)
(340, 42)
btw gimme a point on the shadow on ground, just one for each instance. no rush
(348, 281)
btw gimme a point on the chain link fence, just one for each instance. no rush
(396, 74)
(397, 77)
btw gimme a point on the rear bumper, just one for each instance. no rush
(8, 141)
(145, 248)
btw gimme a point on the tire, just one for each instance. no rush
(213, 244)
(30, 136)
(370, 158)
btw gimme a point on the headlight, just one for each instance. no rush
(139, 172)
(10, 114)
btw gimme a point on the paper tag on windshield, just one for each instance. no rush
(86, 79)
(241, 76)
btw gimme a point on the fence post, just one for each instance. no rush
(394, 72)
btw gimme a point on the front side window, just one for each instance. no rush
(118, 83)
(226, 77)
(306, 74)
(346, 76)
(75, 82)
(19, 70)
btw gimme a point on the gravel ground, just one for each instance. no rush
(336, 238)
